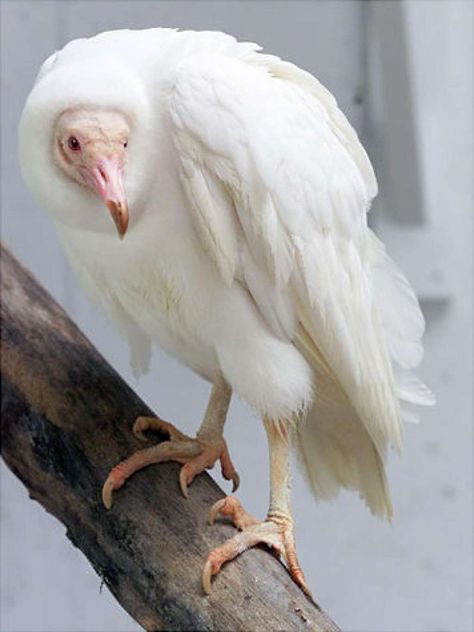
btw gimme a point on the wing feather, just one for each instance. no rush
(267, 156)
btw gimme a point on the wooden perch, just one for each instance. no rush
(66, 420)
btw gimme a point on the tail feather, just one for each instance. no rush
(336, 451)
(334, 446)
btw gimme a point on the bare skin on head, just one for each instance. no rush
(90, 147)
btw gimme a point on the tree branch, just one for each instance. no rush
(66, 420)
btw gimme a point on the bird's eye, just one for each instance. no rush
(125, 143)
(73, 143)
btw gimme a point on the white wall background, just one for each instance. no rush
(403, 74)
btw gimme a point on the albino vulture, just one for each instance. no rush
(240, 193)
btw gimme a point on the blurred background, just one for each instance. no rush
(402, 72)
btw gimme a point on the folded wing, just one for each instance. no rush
(279, 187)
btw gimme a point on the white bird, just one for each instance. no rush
(240, 192)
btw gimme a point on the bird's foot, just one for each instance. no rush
(276, 531)
(194, 453)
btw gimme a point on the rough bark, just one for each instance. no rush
(66, 420)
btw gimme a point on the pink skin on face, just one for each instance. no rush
(90, 148)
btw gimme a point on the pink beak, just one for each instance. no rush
(107, 178)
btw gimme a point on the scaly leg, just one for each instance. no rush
(195, 454)
(277, 530)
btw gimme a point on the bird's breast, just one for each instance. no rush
(160, 281)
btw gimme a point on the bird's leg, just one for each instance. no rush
(196, 454)
(277, 530)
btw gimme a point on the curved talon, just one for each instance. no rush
(215, 510)
(108, 492)
(195, 454)
(206, 577)
(138, 427)
(183, 481)
(235, 482)
(276, 535)
(304, 588)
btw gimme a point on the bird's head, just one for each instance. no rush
(84, 142)
(90, 146)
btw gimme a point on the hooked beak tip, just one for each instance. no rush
(119, 213)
